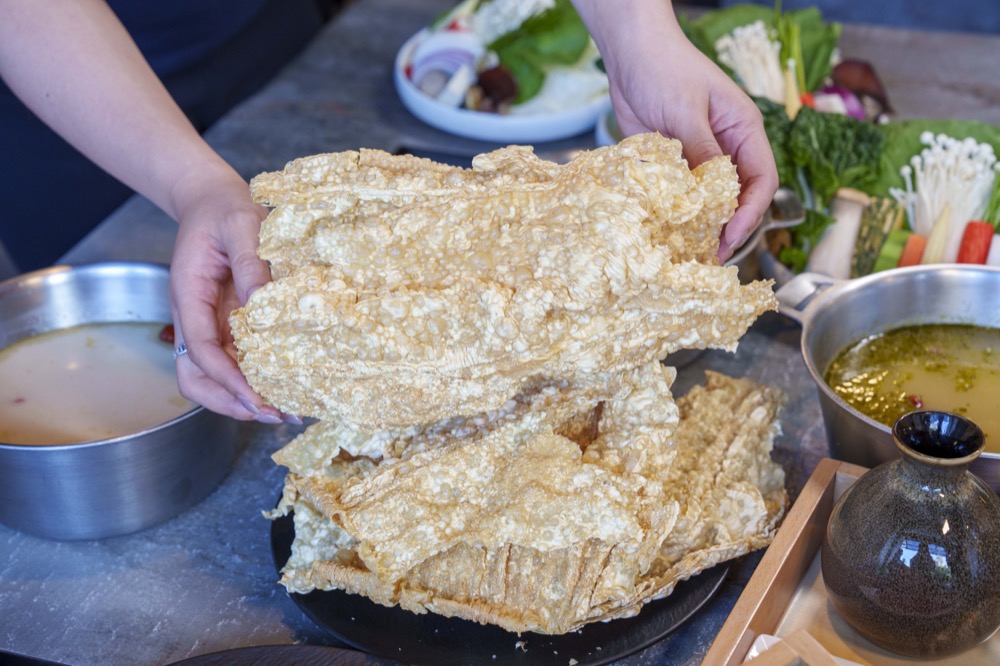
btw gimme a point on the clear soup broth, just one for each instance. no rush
(87, 383)
(949, 367)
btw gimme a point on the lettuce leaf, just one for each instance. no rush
(556, 36)
(902, 141)
(817, 39)
(705, 30)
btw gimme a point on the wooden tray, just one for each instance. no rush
(786, 593)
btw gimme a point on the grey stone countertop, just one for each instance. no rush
(204, 581)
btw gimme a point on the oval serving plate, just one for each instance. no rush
(491, 126)
(436, 640)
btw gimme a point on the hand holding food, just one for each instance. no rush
(215, 267)
(877, 194)
(661, 82)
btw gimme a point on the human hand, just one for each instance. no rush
(214, 269)
(80, 72)
(661, 82)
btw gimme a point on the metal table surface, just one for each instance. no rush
(204, 581)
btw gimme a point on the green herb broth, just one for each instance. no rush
(949, 367)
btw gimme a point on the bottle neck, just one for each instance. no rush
(932, 473)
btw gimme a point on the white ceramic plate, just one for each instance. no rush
(607, 131)
(490, 126)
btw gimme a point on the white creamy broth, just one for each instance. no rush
(87, 383)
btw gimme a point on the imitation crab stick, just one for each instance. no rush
(976, 240)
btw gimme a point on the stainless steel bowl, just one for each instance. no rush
(838, 313)
(116, 486)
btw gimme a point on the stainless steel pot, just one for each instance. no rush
(838, 313)
(111, 487)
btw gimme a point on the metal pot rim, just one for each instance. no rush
(108, 269)
(807, 295)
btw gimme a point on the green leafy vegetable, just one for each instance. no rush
(777, 125)
(556, 36)
(816, 155)
(816, 39)
(992, 214)
(705, 30)
(902, 142)
(834, 151)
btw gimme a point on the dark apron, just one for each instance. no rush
(53, 196)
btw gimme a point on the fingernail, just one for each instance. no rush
(250, 292)
(734, 236)
(265, 417)
(291, 419)
(247, 405)
(724, 251)
(258, 415)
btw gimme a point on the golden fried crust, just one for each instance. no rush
(498, 440)
(516, 529)
(334, 209)
(428, 292)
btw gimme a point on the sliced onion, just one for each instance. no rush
(445, 52)
(439, 65)
(836, 99)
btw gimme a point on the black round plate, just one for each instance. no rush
(283, 655)
(434, 639)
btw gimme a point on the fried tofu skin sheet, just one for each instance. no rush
(520, 527)
(497, 438)
(408, 292)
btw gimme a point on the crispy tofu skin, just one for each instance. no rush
(497, 436)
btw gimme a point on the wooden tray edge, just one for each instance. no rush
(769, 591)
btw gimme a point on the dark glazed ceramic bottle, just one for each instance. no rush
(911, 556)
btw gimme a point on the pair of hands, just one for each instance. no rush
(659, 82)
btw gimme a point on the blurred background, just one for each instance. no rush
(977, 16)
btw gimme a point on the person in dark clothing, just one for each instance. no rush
(210, 55)
(79, 70)
(975, 16)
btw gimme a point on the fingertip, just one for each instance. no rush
(291, 419)
(737, 231)
(725, 251)
(249, 275)
(266, 414)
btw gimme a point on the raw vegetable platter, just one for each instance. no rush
(879, 193)
(504, 71)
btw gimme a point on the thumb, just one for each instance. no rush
(249, 274)
(700, 144)
(249, 271)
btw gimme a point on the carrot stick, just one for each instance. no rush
(913, 250)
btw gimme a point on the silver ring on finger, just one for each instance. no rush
(181, 350)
